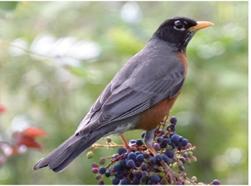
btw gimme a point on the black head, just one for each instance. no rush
(179, 30)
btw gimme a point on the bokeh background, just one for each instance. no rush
(56, 58)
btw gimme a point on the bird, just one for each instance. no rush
(139, 96)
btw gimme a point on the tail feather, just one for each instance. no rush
(60, 154)
(63, 155)
(72, 156)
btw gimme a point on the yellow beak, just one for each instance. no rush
(200, 25)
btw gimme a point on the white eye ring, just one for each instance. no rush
(179, 26)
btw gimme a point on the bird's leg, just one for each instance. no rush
(124, 140)
(163, 122)
(165, 118)
(149, 141)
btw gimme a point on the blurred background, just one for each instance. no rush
(56, 58)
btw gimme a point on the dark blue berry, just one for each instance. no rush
(169, 153)
(183, 142)
(121, 151)
(155, 179)
(139, 142)
(124, 181)
(102, 170)
(107, 174)
(160, 139)
(131, 155)
(175, 138)
(169, 141)
(158, 158)
(122, 163)
(137, 163)
(164, 143)
(135, 181)
(138, 174)
(215, 182)
(140, 158)
(153, 160)
(173, 146)
(144, 166)
(119, 175)
(144, 178)
(115, 181)
(156, 146)
(117, 167)
(130, 164)
(173, 120)
(166, 159)
(144, 174)
(146, 156)
(171, 127)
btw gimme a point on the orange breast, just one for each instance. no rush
(150, 118)
(183, 59)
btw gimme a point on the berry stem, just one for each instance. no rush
(124, 140)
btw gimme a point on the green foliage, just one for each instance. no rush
(122, 39)
(8, 6)
(55, 92)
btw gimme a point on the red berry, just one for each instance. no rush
(95, 170)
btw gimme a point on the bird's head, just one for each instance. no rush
(178, 31)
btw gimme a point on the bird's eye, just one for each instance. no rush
(178, 26)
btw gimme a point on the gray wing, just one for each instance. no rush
(150, 76)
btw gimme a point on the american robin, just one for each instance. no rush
(139, 96)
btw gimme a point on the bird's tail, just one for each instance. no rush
(58, 159)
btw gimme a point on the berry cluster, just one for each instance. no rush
(138, 165)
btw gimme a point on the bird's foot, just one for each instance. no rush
(149, 141)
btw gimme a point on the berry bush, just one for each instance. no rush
(137, 165)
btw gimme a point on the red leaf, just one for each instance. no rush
(29, 142)
(33, 132)
(28, 137)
